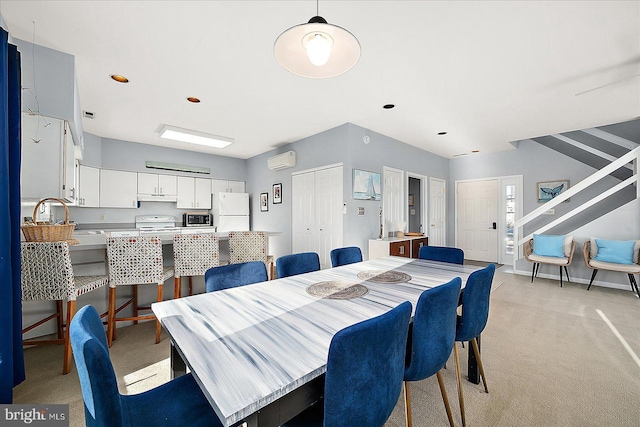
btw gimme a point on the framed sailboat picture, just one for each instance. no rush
(366, 185)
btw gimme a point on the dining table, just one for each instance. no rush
(259, 352)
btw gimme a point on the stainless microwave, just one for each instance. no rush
(194, 219)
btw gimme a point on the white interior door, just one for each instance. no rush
(437, 212)
(392, 198)
(328, 183)
(303, 212)
(477, 218)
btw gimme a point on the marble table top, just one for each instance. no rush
(251, 345)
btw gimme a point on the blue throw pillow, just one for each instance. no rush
(616, 251)
(548, 245)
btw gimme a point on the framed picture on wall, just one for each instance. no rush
(411, 200)
(549, 189)
(366, 185)
(277, 193)
(264, 202)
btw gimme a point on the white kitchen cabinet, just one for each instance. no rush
(223, 186)
(88, 187)
(154, 187)
(193, 193)
(48, 159)
(118, 189)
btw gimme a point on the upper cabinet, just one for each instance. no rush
(223, 186)
(194, 193)
(118, 189)
(48, 159)
(88, 187)
(154, 187)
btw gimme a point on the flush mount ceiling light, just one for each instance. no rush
(194, 137)
(317, 49)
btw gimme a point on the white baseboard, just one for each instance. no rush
(620, 286)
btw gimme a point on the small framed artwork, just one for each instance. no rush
(549, 189)
(264, 202)
(411, 200)
(366, 185)
(277, 193)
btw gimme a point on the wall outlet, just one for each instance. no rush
(103, 217)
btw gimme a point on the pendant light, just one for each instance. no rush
(317, 49)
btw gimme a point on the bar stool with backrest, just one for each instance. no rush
(245, 246)
(193, 255)
(134, 261)
(475, 313)
(294, 264)
(47, 275)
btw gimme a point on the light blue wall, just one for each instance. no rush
(343, 144)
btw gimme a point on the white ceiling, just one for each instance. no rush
(485, 72)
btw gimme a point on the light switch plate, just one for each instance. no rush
(360, 211)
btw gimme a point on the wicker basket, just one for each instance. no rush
(44, 232)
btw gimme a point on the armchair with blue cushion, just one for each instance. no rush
(613, 255)
(442, 254)
(345, 256)
(234, 275)
(291, 265)
(176, 403)
(550, 249)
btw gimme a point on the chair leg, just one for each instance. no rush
(593, 276)
(476, 350)
(633, 282)
(158, 327)
(71, 311)
(560, 276)
(135, 303)
(111, 321)
(567, 273)
(190, 286)
(460, 396)
(176, 287)
(60, 319)
(407, 404)
(533, 271)
(445, 399)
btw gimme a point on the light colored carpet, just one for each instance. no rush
(550, 357)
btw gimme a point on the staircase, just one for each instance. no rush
(611, 150)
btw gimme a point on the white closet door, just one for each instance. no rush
(328, 222)
(303, 212)
(437, 212)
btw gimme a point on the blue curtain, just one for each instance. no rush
(11, 356)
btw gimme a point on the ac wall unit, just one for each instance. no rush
(282, 161)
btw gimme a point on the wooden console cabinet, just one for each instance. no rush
(407, 246)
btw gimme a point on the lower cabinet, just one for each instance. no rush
(397, 246)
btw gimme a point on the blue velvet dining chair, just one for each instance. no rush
(431, 339)
(234, 275)
(475, 313)
(176, 403)
(442, 253)
(365, 367)
(344, 256)
(291, 265)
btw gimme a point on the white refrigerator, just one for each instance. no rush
(233, 212)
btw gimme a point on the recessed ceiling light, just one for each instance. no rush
(388, 106)
(119, 78)
(193, 99)
(194, 137)
(442, 133)
(475, 151)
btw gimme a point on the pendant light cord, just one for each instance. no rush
(317, 8)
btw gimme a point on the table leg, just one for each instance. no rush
(472, 364)
(178, 367)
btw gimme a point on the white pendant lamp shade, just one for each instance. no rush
(317, 49)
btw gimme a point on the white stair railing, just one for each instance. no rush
(631, 156)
